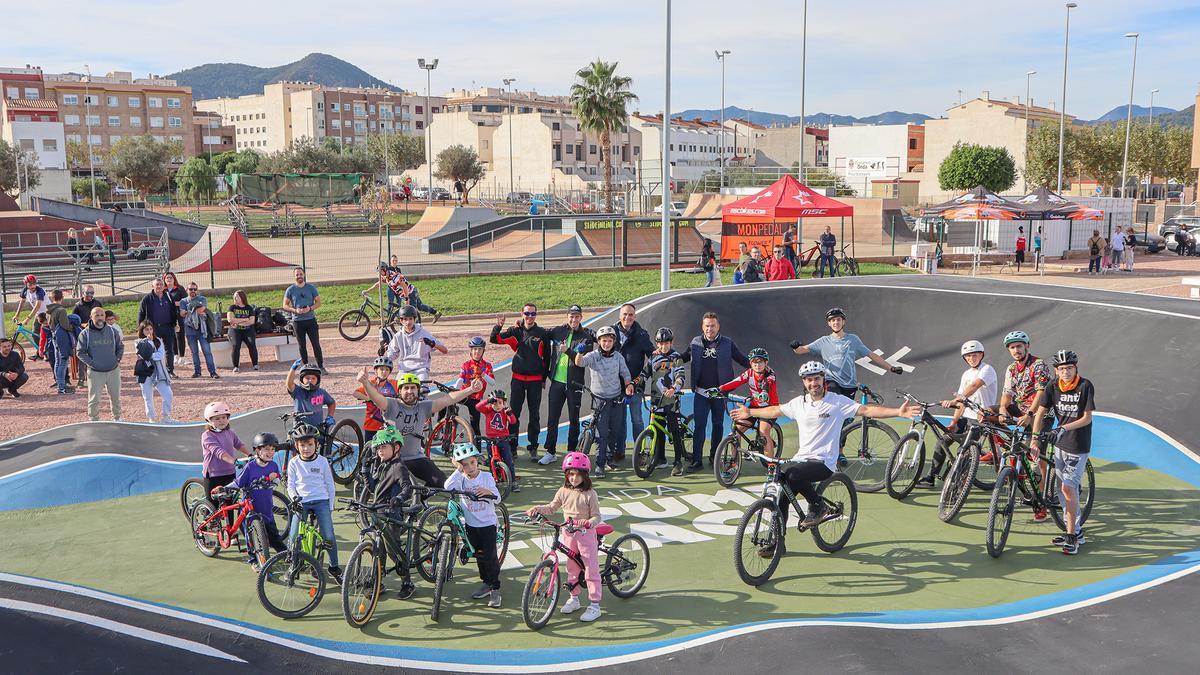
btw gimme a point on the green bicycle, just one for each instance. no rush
(651, 445)
(450, 542)
(291, 583)
(21, 332)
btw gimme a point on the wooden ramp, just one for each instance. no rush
(521, 244)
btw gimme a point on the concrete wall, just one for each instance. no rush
(885, 140)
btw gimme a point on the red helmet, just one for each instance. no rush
(31, 278)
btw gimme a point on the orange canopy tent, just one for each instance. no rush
(761, 219)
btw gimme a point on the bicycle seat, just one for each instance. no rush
(603, 529)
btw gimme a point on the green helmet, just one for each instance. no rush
(387, 435)
(1016, 336)
(758, 353)
(462, 451)
(408, 378)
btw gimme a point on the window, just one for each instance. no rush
(14, 92)
(418, 109)
(31, 93)
(433, 109)
(70, 99)
(114, 139)
(135, 121)
(49, 145)
(579, 151)
(372, 125)
(320, 105)
(591, 149)
(360, 127)
(176, 138)
(420, 124)
(337, 124)
(483, 145)
(912, 144)
(556, 126)
(26, 144)
(74, 138)
(114, 120)
(156, 122)
(92, 99)
(385, 111)
(570, 150)
(95, 139)
(371, 108)
(113, 101)
(93, 120)
(557, 152)
(71, 119)
(173, 103)
(154, 102)
(637, 150)
(671, 146)
(175, 122)
(135, 101)
(321, 124)
(335, 107)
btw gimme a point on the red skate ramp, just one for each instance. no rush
(230, 251)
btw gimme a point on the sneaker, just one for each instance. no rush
(437, 315)
(336, 573)
(167, 420)
(1071, 546)
(695, 466)
(612, 466)
(547, 458)
(407, 589)
(324, 371)
(195, 374)
(593, 612)
(516, 487)
(571, 605)
(986, 458)
(237, 369)
(1039, 515)
(662, 464)
(16, 394)
(215, 376)
(1061, 539)
(925, 482)
(766, 552)
(842, 462)
(532, 453)
(598, 473)
(494, 598)
(677, 470)
(483, 592)
(814, 516)
(256, 367)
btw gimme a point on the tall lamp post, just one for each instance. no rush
(1062, 113)
(1129, 117)
(1028, 75)
(428, 68)
(721, 54)
(665, 267)
(508, 83)
(1150, 183)
(87, 118)
(803, 57)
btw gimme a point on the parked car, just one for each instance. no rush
(441, 193)
(519, 197)
(1167, 229)
(676, 209)
(1152, 242)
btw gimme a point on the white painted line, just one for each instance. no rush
(119, 628)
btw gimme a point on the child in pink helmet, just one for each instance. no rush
(581, 506)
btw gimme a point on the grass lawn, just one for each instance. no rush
(501, 293)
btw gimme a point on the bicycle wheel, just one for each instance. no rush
(443, 553)
(448, 433)
(847, 267)
(354, 325)
(503, 480)
(291, 584)
(777, 436)
(758, 543)
(727, 464)
(1000, 511)
(838, 493)
(957, 485)
(626, 565)
(190, 494)
(360, 493)
(345, 443)
(361, 584)
(206, 536)
(430, 522)
(586, 440)
(540, 596)
(643, 453)
(503, 532)
(985, 475)
(279, 509)
(904, 466)
(688, 425)
(258, 546)
(867, 465)
(1087, 490)
(19, 350)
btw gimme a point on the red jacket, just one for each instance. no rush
(780, 270)
(495, 423)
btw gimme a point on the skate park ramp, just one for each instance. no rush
(437, 220)
(223, 249)
(640, 240)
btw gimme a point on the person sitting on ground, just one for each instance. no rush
(263, 466)
(411, 348)
(497, 421)
(308, 396)
(12, 370)
(480, 516)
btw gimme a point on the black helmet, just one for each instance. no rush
(310, 369)
(409, 312)
(835, 311)
(758, 353)
(664, 334)
(498, 394)
(264, 438)
(476, 342)
(1065, 357)
(383, 362)
(302, 431)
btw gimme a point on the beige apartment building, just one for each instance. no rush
(288, 111)
(1196, 146)
(210, 133)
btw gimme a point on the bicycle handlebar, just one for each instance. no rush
(866, 391)
(539, 519)
(294, 414)
(460, 493)
(439, 386)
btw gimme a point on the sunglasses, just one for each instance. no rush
(193, 290)
(529, 313)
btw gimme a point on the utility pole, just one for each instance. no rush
(1062, 112)
(665, 267)
(428, 68)
(1129, 118)
(721, 54)
(87, 111)
(1028, 75)
(508, 83)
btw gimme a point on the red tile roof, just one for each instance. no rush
(30, 104)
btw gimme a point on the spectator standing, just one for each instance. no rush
(178, 294)
(779, 268)
(566, 382)
(150, 369)
(1037, 248)
(827, 243)
(111, 318)
(1130, 241)
(712, 356)
(12, 370)
(1118, 248)
(752, 269)
(1020, 247)
(530, 366)
(83, 308)
(101, 349)
(1096, 245)
(199, 328)
(412, 347)
(708, 262)
(73, 246)
(789, 244)
(159, 309)
(241, 330)
(303, 300)
(63, 334)
(635, 346)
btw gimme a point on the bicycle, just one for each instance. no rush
(727, 459)
(340, 445)
(192, 493)
(587, 428)
(908, 456)
(868, 437)
(490, 448)
(450, 429)
(761, 529)
(211, 537)
(355, 324)
(645, 446)
(451, 543)
(19, 332)
(846, 266)
(296, 576)
(964, 470)
(625, 569)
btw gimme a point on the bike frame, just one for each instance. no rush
(245, 509)
(552, 553)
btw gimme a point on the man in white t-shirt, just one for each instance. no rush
(819, 415)
(978, 384)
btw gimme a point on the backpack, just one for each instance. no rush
(263, 322)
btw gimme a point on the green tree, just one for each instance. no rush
(82, 187)
(232, 161)
(307, 156)
(1177, 158)
(196, 180)
(1100, 151)
(144, 161)
(30, 176)
(1041, 156)
(459, 162)
(600, 99)
(968, 166)
(77, 154)
(401, 151)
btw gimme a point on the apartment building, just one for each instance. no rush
(695, 145)
(493, 100)
(288, 111)
(210, 134)
(779, 146)
(31, 122)
(1196, 147)
(101, 111)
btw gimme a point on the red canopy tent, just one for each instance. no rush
(760, 219)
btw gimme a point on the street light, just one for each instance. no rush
(1129, 115)
(665, 267)
(508, 83)
(428, 68)
(803, 57)
(721, 54)
(87, 118)
(1028, 75)
(1062, 113)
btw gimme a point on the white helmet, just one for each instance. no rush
(606, 330)
(215, 408)
(812, 368)
(970, 347)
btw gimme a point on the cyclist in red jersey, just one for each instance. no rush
(763, 393)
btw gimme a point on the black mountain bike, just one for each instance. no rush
(587, 428)
(341, 445)
(739, 443)
(392, 541)
(355, 324)
(908, 456)
(867, 444)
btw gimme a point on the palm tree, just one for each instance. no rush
(599, 99)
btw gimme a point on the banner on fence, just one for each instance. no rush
(302, 189)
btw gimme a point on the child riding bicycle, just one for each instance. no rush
(309, 396)
(498, 419)
(665, 372)
(763, 393)
(393, 485)
(264, 466)
(481, 517)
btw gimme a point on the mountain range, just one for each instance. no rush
(770, 119)
(218, 80)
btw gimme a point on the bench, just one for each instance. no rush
(284, 346)
(1005, 263)
(1194, 282)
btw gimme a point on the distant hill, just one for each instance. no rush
(1118, 113)
(217, 80)
(767, 119)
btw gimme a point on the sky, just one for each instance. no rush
(863, 56)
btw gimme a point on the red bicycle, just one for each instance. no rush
(212, 536)
(450, 430)
(496, 464)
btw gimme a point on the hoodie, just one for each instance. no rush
(100, 348)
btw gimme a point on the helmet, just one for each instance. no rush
(216, 408)
(304, 430)
(758, 353)
(386, 435)
(812, 368)
(31, 278)
(577, 460)
(1016, 336)
(606, 330)
(409, 312)
(310, 369)
(499, 394)
(264, 438)
(835, 311)
(970, 347)
(462, 451)
(383, 362)
(1065, 357)
(408, 378)
(476, 342)
(664, 334)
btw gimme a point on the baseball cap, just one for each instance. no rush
(575, 309)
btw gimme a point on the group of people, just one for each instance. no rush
(784, 262)
(1107, 255)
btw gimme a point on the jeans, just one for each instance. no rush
(1094, 264)
(483, 539)
(324, 524)
(826, 259)
(1116, 258)
(523, 391)
(609, 436)
(164, 391)
(573, 399)
(306, 330)
(505, 448)
(199, 343)
(167, 333)
(707, 411)
(240, 336)
(635, 416)
(64, 345)
(414, 299)
(709, 277)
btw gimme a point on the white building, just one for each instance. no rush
(695, 147)
(33, 126)
(864, 153)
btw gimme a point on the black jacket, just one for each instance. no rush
(531, 360)
(144, 309)
(559, 336)
(12, 364)
(395, 482)
(635, 348)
